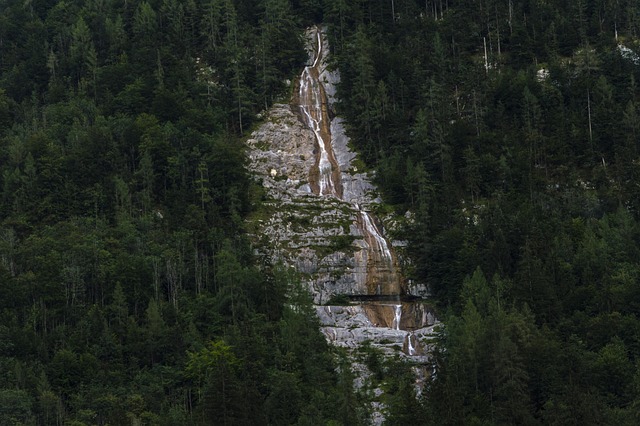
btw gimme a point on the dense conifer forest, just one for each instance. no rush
(510, 130)
(506, 132)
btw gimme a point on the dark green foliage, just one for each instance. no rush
(518, 158)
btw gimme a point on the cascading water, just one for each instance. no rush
(313, 116)
(383, 280)
(372, 230)
(312, 102)
(397, 317)
(411, 350)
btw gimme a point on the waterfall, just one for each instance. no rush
(397, 317)
(312, 102)
(313, 115)
(322, 222)
(325, 176)
(319, 51)
(372, 230)
(410, 348)
(382, 275)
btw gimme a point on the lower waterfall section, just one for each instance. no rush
(383, 276)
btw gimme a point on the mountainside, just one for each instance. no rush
(147, 277)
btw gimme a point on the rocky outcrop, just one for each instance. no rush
(318, 218)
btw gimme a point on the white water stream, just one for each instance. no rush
(372, 229)
(397, 317)
(411, 350)
(311, 100)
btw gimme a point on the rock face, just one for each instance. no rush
(318, 219)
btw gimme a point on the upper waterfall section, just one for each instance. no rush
(312, 103)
